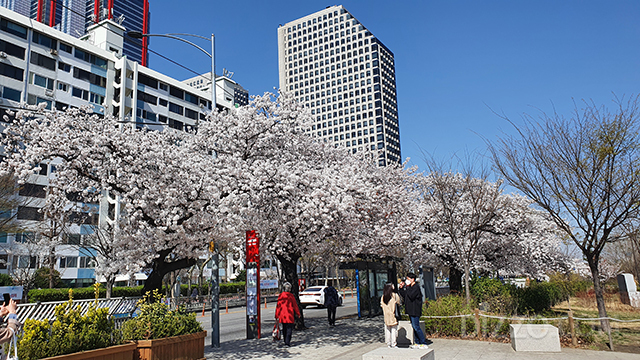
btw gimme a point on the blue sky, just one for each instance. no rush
(456, 61)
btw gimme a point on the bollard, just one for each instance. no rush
(227, 306)
(574, 339)
(265, 302)
(203, 309)
(352, 293)
(477, 318)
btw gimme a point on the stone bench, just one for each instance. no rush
(399, 354)
(405, 332)
(535, 337)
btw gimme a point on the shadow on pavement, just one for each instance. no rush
(318, 341)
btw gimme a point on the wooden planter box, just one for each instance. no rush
(183, 347)
(118, 352)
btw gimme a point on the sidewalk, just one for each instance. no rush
(351, 338)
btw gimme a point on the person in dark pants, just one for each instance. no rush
(286, 311)
(413, 307)
(331, 301)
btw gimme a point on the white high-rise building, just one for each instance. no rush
(334, 65)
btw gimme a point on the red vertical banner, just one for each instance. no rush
(145, 30)
(52, 13)
(253, 285)
(40, 12)
(110, 10)
(96, 10)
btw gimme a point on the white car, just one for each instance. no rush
(315, 296)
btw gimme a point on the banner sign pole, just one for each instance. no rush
(253, 285)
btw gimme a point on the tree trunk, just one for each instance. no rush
(467, 290)
(455, 280)
(597, 288)
(160, 267)
(52, 260)
(111, 279)
(290, 270)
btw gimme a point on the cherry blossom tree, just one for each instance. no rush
(162, 180)
(469, 223)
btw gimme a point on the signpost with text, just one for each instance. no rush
(253, 285)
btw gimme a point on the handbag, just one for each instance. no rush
(275, 333)
(398, 313)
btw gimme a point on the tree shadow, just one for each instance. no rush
(308, 343)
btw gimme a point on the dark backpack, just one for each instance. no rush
(331, 297)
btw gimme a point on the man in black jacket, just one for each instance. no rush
(413, 307)
(331, 302)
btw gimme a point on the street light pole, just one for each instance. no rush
(213, 72)
(212, 55)
(215, 291)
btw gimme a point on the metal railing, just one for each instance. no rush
(118, 308)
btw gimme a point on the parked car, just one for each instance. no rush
(315, 296)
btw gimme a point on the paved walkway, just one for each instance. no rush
(351, 338)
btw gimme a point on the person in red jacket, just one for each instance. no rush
(286, 310)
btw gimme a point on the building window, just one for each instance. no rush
(175, 124)
(90, 77)
(174, 91)
(29, 213)
(32, 190)
(66, 48)
(148, 98)
(25, 237)
(13, 28)
(148, 81)
(90, 58)
(24, 262)
(41, 81)
(12, 49)
(175, 108)
(80, 93)
(44, 40)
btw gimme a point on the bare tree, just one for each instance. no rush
(584, 171)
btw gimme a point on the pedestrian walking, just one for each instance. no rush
(331, 302)
(286, 312)
(389, 301)
(412, 295)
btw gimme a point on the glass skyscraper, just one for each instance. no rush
(337, 68)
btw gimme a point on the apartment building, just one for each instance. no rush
(74, 17)
(39, 64)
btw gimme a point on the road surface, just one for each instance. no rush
(233, 324)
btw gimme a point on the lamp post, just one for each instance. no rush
(212, 55)
(215, 291)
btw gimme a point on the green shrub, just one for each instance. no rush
(6, 280)
(46, 295)
(232, 288)
(538, 297)
(570, 284)
(447, 306)
(70, 332)
(585, 332)
(154, 320)
(40, 278)
(495, 296)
